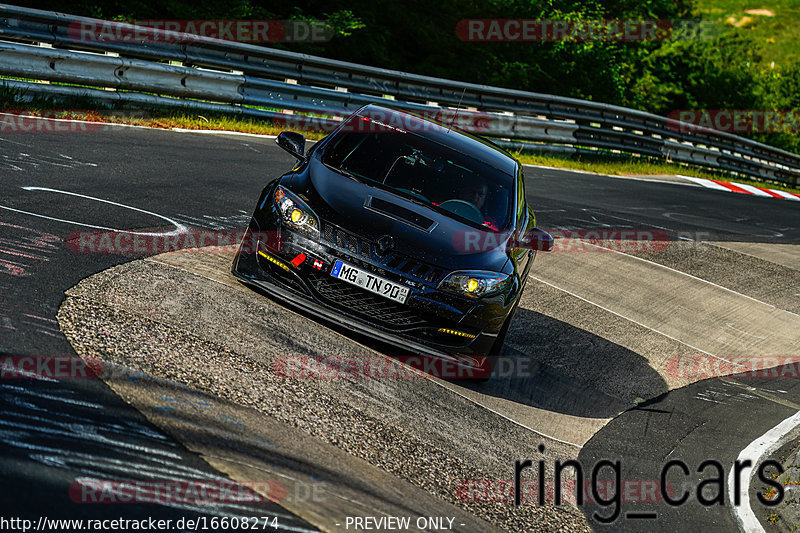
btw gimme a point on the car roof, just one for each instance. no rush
(454, 138)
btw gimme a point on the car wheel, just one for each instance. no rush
(496, 348)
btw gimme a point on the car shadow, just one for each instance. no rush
(545, 363)
(550, 364)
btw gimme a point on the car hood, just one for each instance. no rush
(449, 244)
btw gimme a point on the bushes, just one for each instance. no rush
(719, 70)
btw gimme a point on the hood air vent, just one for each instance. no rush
(400, 213)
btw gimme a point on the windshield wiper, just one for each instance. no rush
(345, 172)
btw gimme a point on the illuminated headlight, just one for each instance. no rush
(474, 283)
(295, 212)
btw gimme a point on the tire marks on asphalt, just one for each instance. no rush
(439, 437)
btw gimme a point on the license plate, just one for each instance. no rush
(370, 282)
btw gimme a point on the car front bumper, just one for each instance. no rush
(428, 323)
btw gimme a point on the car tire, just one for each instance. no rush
(497, 347)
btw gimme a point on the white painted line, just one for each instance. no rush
(224, 132)
(82, 121)
(706, 183)
(692, 276)
(122, 125)
(700, 181)
(787, 195)
(66, 221)
(631, 319)
(433, 379)
(501, 415)
(634, 178)
(764, 445)
(178, 226)
(568, 170)
(754, 190)
(733, 186)
(651, 180)
(703, 182)
(770, 193)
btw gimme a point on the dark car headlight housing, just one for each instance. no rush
(294, 211)
(474, 283)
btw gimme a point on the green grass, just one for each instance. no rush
(777, 35)
(773, 518)
(201, 122)
(85, 109)
(618, 166)
(639, 167)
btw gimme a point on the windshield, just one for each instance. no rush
(426, 172)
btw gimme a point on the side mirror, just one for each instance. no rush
(292, 142)
(540, 240)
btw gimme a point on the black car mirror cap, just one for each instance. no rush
(293, 142)
(539, 240)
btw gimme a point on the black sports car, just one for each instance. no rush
(400, 228)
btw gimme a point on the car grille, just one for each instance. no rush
(366, 248)
(411, 267)
(374, 308)
(346, 240)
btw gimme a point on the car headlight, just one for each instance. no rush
(474, 283)
(295, 212)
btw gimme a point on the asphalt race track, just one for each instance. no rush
(597, 353)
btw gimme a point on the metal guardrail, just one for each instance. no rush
(238, 78)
